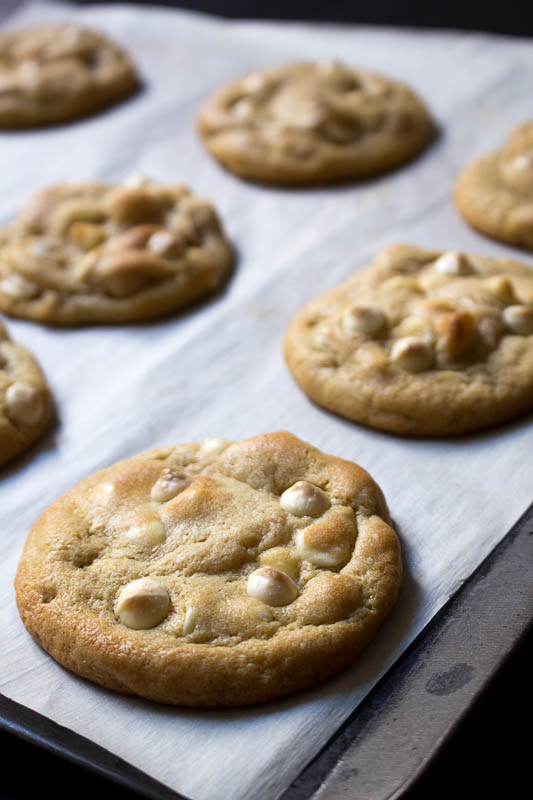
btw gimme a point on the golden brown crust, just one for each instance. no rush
(495, 194)
(218, 645)
(310, 123)
(451, 350)
(55, 73)
(25, 401)
(91, 253)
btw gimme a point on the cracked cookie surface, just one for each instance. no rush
(313, 122)
(495, 194)
(421, 342)
(54, 73)
(217, 574)
(92, 253)
(25, 401)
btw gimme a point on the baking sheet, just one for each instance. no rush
(218, 371)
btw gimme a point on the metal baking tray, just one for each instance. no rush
(409, 715)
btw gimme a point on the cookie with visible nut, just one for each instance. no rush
(420, 342)
(25, 401)
(495, 194)
(213, 574)
(87, 253)
(306, 123)
(53, 73)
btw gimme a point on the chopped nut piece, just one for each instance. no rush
(459, 332)
(124, 273)
(189, 621)
(304, 499)
(131, 206)
(502, 288)
(86, 234)
(142, 604)
(271, 586)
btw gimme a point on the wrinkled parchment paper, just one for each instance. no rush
(218, 371)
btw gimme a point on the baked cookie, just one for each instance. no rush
(308, 123)
(90, 252)
(495, 195)
(421, 342)
(55, 73)
(25, 402)
(218, 574)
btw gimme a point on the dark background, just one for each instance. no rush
(515, 18)
(490, 753)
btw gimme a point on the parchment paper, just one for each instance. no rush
(218, 371)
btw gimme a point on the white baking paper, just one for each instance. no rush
(218, 370)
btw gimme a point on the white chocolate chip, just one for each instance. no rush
(304, 499)
(24, 403)
(16, 286)
(271, 586)
(519, 319)
(136, 180)
(453, 263)
(148, 534)
(161, 242)
(142, 604)
(412, 353)
(189, 621)
(242, 108)
(213, 446)
(332, 558)
(168, 485)
(363, 319)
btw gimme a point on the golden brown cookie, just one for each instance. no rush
(91, 252)
(217, 574)
(421, 342)
(495, 194)
(55, 73)
(25, 402)
(308, 123)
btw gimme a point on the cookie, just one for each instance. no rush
(25, 401)
(217, 574)
(421, 342)
(495, 194)
(55, 73)
(92, 253)
(308, 123)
